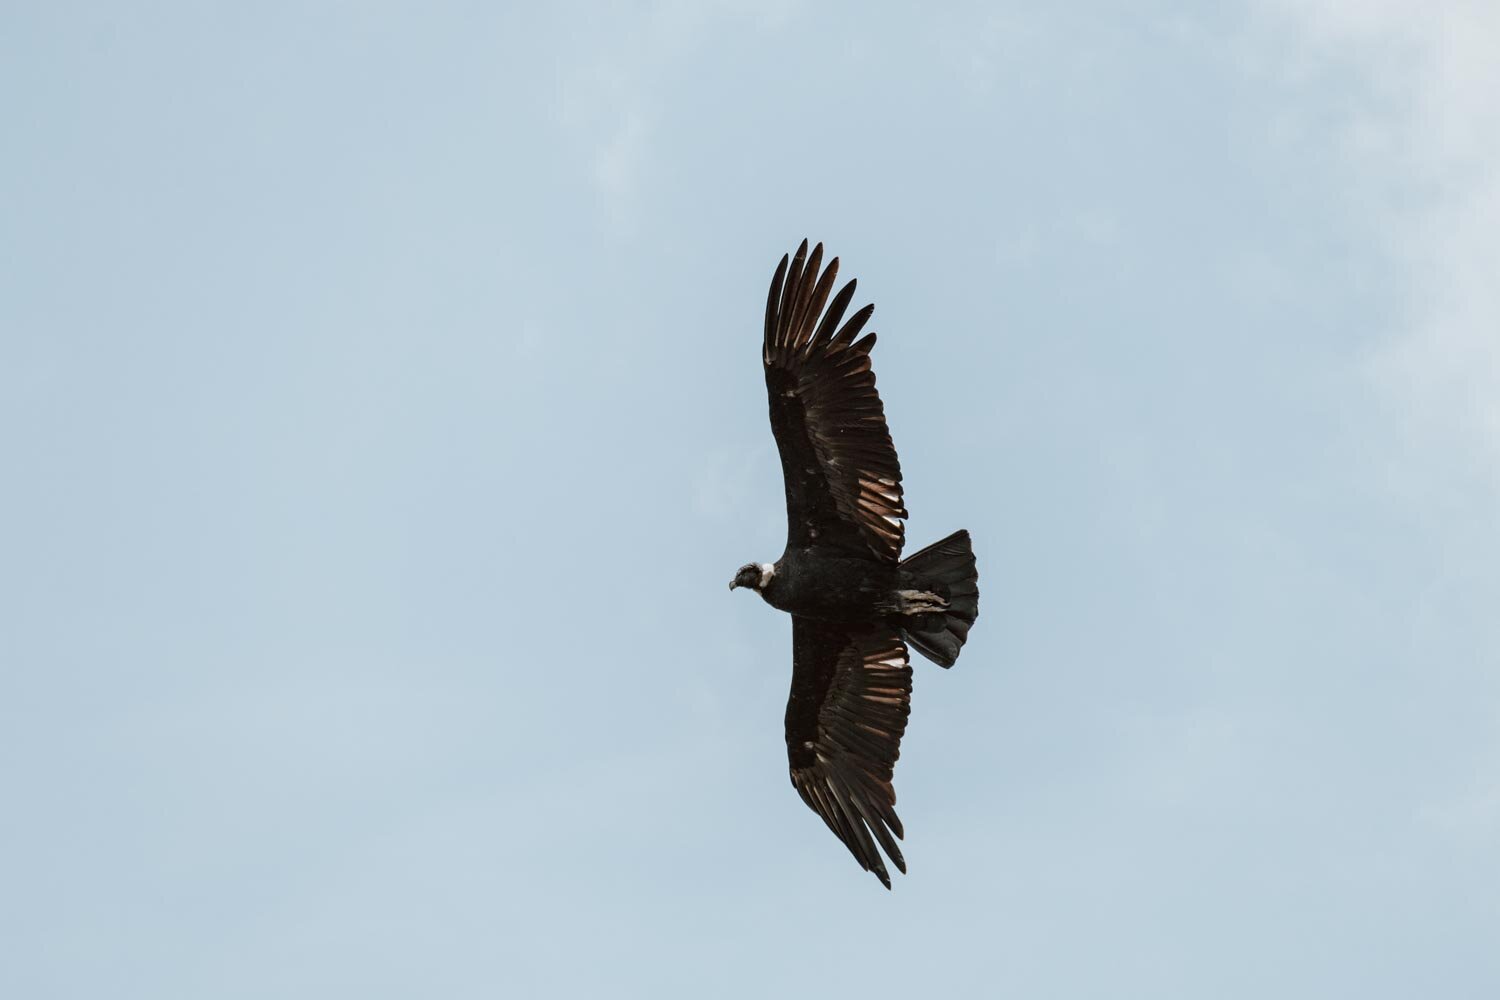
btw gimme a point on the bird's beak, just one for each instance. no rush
(733, 584)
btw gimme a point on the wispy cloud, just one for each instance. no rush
(1421, 153)
(1419, 156)
(612, 89)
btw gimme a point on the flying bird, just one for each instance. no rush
(855, 604)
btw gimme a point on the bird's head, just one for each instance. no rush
(753, 575)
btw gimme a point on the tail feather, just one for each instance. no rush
(947, 569)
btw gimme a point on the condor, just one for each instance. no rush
(855, 603)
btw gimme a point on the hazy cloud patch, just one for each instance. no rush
(1420, 150)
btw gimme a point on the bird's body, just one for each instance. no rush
(827, 585)
(855, 603)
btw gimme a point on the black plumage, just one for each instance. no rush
(855, 604)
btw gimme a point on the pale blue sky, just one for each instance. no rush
(381, 421)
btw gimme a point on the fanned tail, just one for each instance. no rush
(946, 569)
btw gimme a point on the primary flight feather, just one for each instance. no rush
(855, 603)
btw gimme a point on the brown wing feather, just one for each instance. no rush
(843, 480)
(851, 694)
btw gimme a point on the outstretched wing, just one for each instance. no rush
(851, 694)
(843, 481)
